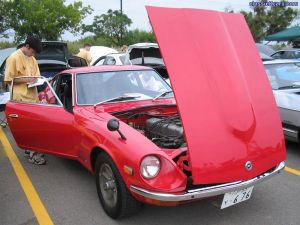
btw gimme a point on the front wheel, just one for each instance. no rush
(114, 196)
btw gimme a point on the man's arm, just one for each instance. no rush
(10, 70)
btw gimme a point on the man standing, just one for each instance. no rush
(85, 53)
(23, 63)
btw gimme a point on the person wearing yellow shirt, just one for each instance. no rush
(23, 63)
(85, 53)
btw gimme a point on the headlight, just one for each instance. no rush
(150, 167)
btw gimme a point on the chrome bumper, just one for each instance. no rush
(208, 191)
(291, 135)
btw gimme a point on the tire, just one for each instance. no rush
(113, 194)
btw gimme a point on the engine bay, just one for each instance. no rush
(162, 125)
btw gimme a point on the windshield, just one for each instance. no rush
(283, 75)
(94, 88)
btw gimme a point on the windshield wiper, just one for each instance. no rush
(295, 85)
(161, 95)
(119, 98)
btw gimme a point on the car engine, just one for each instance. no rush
(165, 132)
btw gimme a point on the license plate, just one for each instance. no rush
(232, 198)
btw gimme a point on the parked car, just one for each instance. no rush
(124, 124)
(110, 59)
(293, 53)
(132, 138)
(284, 76)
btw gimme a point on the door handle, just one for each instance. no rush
(13, 115)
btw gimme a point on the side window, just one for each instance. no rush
(100, 61)
(277, 55)
(109, 61)
(64, 91)
(297, 54)
(53, 82)
(33, 90)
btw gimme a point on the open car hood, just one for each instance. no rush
(52, 50)
(143, 54)
(222, 91)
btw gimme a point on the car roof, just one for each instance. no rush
(280, 61)
(113, 54)
(93, 69)
(143, 45)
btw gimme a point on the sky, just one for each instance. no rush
(135, 9)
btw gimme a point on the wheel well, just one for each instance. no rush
(95, 152)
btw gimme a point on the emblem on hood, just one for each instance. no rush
(248, 165)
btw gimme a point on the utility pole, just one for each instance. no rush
(121, 8)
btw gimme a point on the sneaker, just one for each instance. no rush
(26, 153)
(36, 158)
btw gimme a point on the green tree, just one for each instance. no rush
(266, 20)
(48, 19)
(113, 25)
(4, 15)
(137, 36)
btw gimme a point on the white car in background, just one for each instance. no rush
(98, 51)
(147, 54)
(110, 59)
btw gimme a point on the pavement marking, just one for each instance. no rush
(33, 198)
(293, 171)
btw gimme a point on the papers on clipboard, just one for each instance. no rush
(4, 97)
(38, 82)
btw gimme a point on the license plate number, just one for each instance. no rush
(232, 198)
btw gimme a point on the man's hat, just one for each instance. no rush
(34, 43)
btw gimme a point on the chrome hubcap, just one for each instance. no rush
(108, 185)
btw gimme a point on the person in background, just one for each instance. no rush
(23, 63)
(85, 53)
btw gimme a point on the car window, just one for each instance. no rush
(96, 87)
(37, 90)
(64, 90)
(283, 75)
(53, 82)
(278, 55)
(288, 55)
(109, 61)
(122, 58)
(297, 54)
(99, 61)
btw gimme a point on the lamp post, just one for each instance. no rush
(121, 6)
(121, 9)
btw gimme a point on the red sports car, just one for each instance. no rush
(124, 124)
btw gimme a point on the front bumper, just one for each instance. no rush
(208, 191)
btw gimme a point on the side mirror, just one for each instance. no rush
(76, 61)
(113, 125)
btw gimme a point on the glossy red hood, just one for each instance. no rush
(222, 92)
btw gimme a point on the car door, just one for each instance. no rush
(45, 126)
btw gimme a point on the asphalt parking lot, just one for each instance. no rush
(63, 192)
